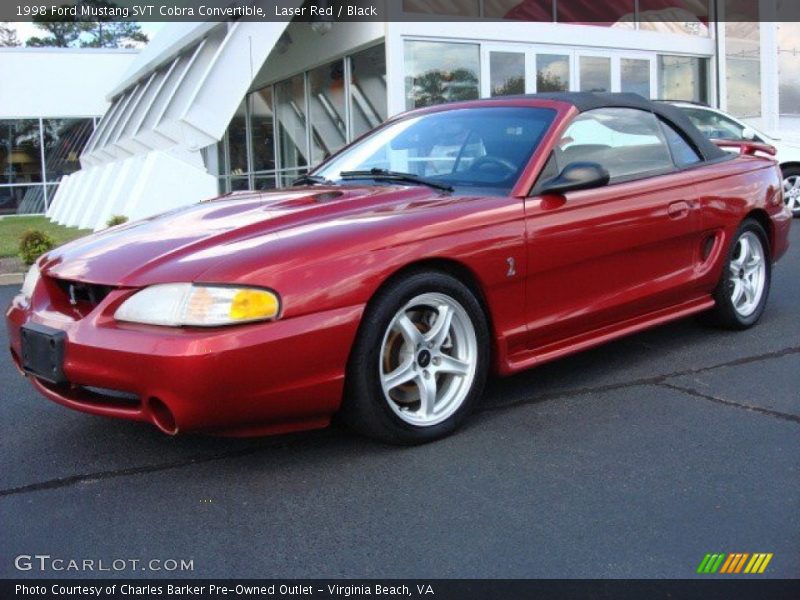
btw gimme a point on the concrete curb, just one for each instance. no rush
(11, 278)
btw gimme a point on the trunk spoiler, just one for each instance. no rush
(747, 147)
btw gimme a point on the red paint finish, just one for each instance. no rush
(590, 266)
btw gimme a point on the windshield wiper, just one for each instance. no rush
(384, 174)
(312, 180)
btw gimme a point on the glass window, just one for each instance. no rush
(290, 96)
(627, 142)
(684, 17)
(262, 126)
(682, 152)
(439, 72)
(620, 13)
(635, 76)
(520, 10)
(20, 151)
(459, 8)
(327, 108)
(595, 74)
(714, 125)
(683, 78)
(237, 142)
(368, 89)
(477, 148)
(507, 73)
(552, 73)
(789, 67)
(64, 140)
(264, 182)
(743, 60)
(239, 184)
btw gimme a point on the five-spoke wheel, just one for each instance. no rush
(428, 359)
(742, 292)
(791, 189)
(420, 360)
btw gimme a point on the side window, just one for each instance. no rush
(682, 153)
(628, 142)
(713, 125)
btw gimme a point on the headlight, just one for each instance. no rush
(29, 284)
(177, 304)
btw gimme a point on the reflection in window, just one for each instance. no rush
(439, 72)
(507, 71)
(456, 8)
(684, 17)
(595, 74)
(552, 73)
(789, 67)
(368, 89)
(540, 11)
(635, 76)
(683, 78)
(262, 127)
(64, 140)
(290, 97)
(237, 142)
(20, 151)
(743, 58)
(327, 107)
(620, 14)
(627, 142)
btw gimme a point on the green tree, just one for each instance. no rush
(105, 32)
(8, 35)
(95, 32)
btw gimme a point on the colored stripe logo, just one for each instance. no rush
(734, 563)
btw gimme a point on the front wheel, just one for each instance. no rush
(742, 292)
(420, 360)
(791, 189)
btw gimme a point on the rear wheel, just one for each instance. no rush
(419, 363)
(791, 189)
(743, 290)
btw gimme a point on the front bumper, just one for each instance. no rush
(245, 380)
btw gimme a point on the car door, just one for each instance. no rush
(602, 256)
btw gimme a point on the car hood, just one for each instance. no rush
(182, 244)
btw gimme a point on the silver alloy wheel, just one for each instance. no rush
(748, 274)
(428, 359)
(791, 193)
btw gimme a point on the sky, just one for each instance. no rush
(27, 30)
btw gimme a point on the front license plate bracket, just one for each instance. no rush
(43, 352)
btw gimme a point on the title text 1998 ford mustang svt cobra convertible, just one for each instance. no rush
(451, 241)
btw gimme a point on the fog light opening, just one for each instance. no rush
(162, 416)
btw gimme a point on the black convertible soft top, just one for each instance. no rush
(585, 101)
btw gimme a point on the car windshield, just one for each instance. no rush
(481, 149)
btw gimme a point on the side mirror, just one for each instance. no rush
(576, 176)
(749, 134)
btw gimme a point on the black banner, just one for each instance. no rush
(716, 589)
(605, 12)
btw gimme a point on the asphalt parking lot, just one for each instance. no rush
(632, 460)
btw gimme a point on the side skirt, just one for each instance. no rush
(597, 337)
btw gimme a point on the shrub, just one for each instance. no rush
(34, 243)
(117, 220)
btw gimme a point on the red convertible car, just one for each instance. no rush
(452, 241)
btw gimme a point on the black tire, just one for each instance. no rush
(787, 173)
(366, 408)
(725, 313)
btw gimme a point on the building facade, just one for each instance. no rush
(50, 101)
(216, 107)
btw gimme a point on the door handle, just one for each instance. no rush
(678, 210)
